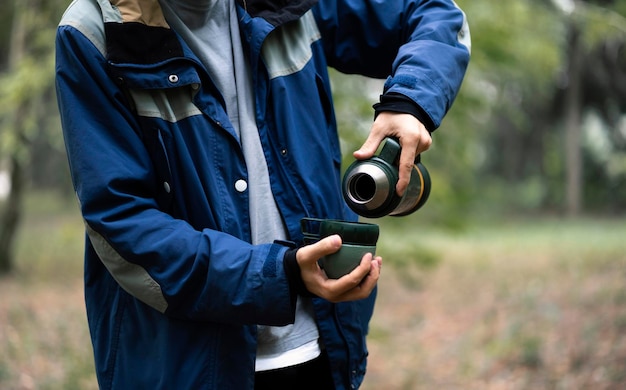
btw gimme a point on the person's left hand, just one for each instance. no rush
(410, 132)
(353, 286)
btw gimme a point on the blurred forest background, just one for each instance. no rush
(512, 275)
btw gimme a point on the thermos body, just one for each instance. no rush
(369, 186)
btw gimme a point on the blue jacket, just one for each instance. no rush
(173, 288)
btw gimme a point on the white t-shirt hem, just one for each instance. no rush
(299, 355)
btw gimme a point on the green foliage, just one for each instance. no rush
(6, 15)
(353, 97)
(513, 96)
(26, 88)
(22, 94)
(600, 23)
(515, 44)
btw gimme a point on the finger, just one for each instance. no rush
(371, 279)
(405, 166)
(425, 140)
(366, 284)
(309, 254)
(370, 145)
(411, 147)
(340, 289)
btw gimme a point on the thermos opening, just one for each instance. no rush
(362, 187)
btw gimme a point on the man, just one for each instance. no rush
(199, 133)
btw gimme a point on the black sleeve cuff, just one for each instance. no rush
(396, 102)
(294, 276)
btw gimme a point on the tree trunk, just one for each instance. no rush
(10, 217)
(573, 153)
(11, 213)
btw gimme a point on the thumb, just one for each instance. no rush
(369, 147)
(309, 254)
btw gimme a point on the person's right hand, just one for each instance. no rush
(413, 136)
(356, 285)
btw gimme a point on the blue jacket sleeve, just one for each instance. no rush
(204, 275)
(422, 47)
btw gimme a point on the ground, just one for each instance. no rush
(509, 304)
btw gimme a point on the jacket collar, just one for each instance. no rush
(143, 36)
(147, 12)
(277, 12)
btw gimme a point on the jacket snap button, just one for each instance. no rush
(173, 78)
(241, 185)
